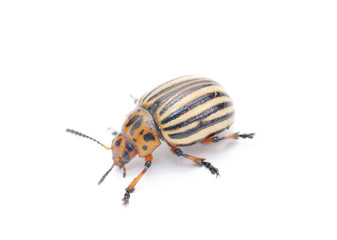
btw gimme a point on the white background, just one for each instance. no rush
(73, 64)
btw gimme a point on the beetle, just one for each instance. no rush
(181, 112)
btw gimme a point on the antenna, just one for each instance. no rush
(85, 136)
(106, 174)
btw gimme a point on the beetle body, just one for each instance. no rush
(181, 112)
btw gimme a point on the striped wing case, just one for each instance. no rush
(189, 109)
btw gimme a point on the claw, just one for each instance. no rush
(213, 169)
(250, 135)
(126, 198)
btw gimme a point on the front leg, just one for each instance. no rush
(131, 187)
(198, 160)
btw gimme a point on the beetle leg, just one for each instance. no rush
(236, 135)
(134, 99)
(112, 131)
(198, 160)
(131, 187)
(124, 171)
(178, 152)
(213, 169)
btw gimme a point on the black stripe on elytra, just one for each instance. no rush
(136, 125)
(172, 86)
(202, 125)
(200, 116)
(181, 96)
(147, 95)
(192, 104)
(199, 140)
(168, 95)
(132, 120)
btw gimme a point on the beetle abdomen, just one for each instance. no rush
(189, 109)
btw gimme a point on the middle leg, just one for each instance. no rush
(201, 161)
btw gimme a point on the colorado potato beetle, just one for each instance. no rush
(184, 111)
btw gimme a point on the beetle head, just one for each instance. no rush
(122, 150)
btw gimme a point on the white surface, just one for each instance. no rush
(73, 64)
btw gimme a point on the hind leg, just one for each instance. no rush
(198, 160)
(215, 139)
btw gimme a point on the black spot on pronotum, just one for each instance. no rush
(132, 120)
(144, 147)
(136, 126)
(129, 146)
(126, 156)
(149, 137)
(118, 143)
(141, 132)
(134, 139)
